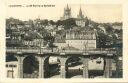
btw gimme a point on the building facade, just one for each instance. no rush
(81, 40)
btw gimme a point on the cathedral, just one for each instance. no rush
(81, 20)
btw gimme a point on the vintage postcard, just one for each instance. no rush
(64, 40)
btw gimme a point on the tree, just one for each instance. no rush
(52, 22)
(44, 22)
(69, 23)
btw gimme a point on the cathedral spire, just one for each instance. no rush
(80, 15)
(67, 8)
(80, 12)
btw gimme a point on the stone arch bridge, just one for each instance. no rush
(63, 55)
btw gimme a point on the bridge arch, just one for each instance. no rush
(30, 67)
(52, 67)
(96, 66)
(74, 66)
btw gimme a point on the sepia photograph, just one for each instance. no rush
(64, 41)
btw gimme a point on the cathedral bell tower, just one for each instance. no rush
(67, 13)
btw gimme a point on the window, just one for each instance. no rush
(6, 65)
(10, 65)
(14, 65)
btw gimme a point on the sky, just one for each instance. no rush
(96, 12)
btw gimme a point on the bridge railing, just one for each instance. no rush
(45, 50)
(22, 49)
(96, 51)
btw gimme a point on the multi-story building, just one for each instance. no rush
(85, 39)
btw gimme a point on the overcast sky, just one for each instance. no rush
(96, 12)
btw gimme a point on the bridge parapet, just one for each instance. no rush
(88, 52)
(22, 50)
(44, 50)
